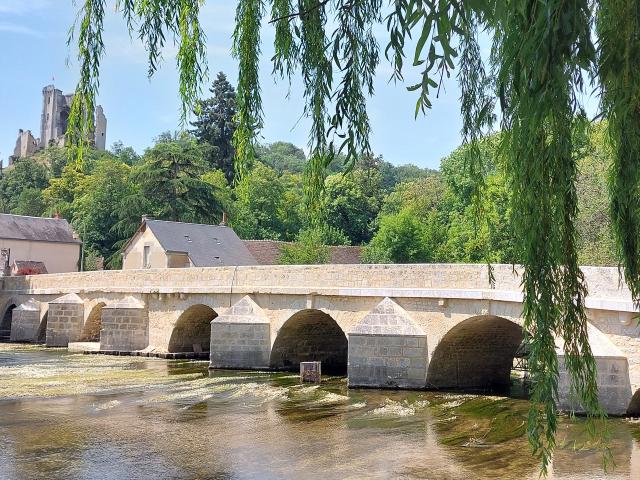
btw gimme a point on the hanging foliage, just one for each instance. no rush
(542, 53)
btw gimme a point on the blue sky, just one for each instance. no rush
(34, 54)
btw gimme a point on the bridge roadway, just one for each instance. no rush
(388, 326)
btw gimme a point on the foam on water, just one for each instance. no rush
(391, 408)
(107, 405)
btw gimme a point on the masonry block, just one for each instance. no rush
(614, 384)
(25, 322)
(65, 319)
(387, 350)
(125, 326)
(241, 337)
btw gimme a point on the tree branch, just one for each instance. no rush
(300, 14)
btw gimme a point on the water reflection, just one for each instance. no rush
(84, 417)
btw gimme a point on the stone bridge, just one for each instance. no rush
(391, 326)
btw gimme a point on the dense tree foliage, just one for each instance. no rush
(170, 181)
(308, 249)
(215, 125)
(28, 174)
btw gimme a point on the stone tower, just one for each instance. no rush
(26, 145)
(55, 116)
(56, 107)
(100, 129)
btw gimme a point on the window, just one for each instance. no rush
(146, 253)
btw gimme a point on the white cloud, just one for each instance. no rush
(20, 29)
(20, 7)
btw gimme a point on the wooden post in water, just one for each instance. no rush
(310, 372)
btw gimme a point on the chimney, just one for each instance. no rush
(146, 218)
(5, 255)
(57, 215)
(223, 223)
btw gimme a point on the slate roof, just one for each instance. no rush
(206, 245)
(40, 229)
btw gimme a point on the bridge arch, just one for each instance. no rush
(475, 354)
(310, 335)
(93, 324)
(5, 319)
(192, 331)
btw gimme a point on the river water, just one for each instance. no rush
(71, 416)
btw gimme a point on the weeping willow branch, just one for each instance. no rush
(288, 16)
(539, 76)
(89, 23)
(618, 27)
(246, 48)
(476, 109)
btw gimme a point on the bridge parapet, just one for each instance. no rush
(446, 280)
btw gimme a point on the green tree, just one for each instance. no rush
(596, 243)
(347, 206)
(126, 155)
(99, 206)
(401, 238)
(259, 199)
(215, 125)
(224, 192)
(26, 173)
(307, 250)
(170, 180)
(30, 202)
(54, 157)
(62, 191)
(282, 157)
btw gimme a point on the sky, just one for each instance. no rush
(34, 53)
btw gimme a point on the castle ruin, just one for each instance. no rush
(56, 107)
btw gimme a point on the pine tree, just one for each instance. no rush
(215, 124)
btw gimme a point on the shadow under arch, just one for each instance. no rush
(93, 325)
(476, 354)
(41, 336)
(307, 336)
(5, 321)
(634, 405)
(192, 332)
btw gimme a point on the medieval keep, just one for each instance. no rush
(56, 107)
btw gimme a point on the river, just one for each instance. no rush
(72, 416)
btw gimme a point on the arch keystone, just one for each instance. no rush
(387, 349)
(25, 322)
(240, 337)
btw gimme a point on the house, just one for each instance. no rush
(165, 244)
(42, 244)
